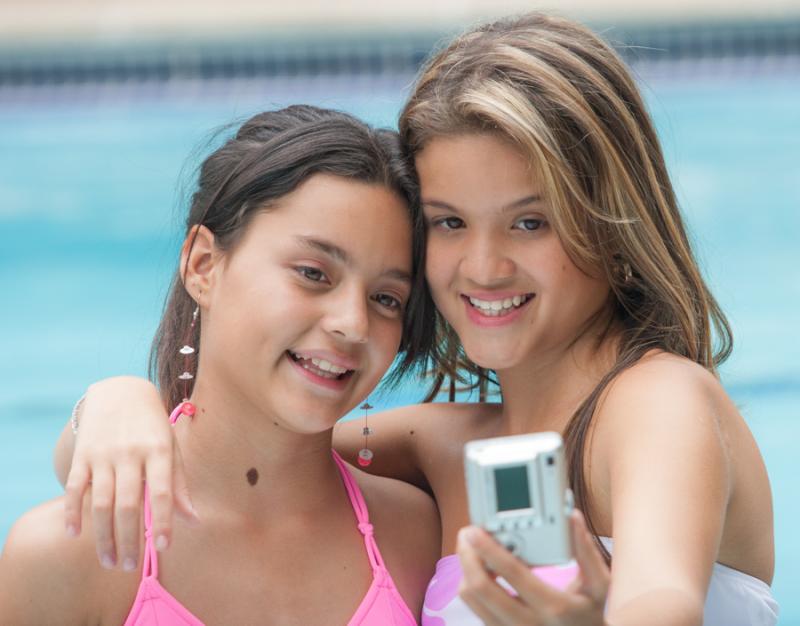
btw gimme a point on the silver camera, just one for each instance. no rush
(517, 490)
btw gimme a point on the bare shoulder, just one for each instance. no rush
(661, 385)
(395, 506)
(407, 531)
(44, 574)
(664, 408)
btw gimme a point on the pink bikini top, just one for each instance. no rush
(382, 606)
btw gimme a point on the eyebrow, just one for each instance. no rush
(340, 254)
(509, 207)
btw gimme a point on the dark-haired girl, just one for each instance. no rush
(291, 302)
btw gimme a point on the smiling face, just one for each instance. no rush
(495, 265)
(304, 315)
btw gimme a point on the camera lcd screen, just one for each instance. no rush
(511, 486)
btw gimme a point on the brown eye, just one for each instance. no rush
(390, 302)
(529, 224)
(449, 223)
(314, 274)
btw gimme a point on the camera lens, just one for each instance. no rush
(550, 460)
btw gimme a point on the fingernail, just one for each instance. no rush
(161, 543)
(129, 564)
(108, 561)
(72, 530)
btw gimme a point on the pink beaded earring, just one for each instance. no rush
(186, 407)
(365, 454)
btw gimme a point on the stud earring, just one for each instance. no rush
(627, 272)
(365, 454)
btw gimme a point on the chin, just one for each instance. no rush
(492, 358)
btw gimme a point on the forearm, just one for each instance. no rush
(659, 607)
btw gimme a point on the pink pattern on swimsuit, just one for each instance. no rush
(444, 607)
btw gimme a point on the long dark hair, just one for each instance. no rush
(269, 157)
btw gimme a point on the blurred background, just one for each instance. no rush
(106, 108)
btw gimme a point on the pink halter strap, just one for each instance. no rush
(362, 516)
(150, 568)
(150, 565)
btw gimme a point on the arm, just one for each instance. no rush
(659, 476)
(124, 437)
(669, 483)
(394, 443)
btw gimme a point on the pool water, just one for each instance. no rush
(89, 222)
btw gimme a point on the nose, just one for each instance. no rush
(485, 261)
(348, 315)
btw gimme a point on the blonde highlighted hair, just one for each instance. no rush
(565, 99)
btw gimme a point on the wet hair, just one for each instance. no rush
(270, 156)
(563, 98)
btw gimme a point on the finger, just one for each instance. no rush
(595, 574)
(127, 514)
(533, 591)
(158, 473)
(481, 592)
(74, 490)
(183, 501)
(102, 521)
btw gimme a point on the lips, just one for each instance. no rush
(500, 306)
(320, 366)
(490, 309)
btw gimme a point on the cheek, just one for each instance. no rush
(440, 262)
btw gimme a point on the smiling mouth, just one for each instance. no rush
(500, 307)
(321, 367)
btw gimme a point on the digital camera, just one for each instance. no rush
(517, 490)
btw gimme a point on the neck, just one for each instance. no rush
(240, 462)
(545, 391)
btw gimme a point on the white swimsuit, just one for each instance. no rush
(734, 598)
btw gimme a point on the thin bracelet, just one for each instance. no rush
(73, 418)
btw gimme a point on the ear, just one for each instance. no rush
(200, 259)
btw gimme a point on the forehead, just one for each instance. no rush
(368, 221)
(470, 166)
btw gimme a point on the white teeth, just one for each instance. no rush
(494, 308)
(320, 367)
(327, 366)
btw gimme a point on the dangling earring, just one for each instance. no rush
(365, 454)
(186, 407)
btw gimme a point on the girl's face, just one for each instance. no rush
(496, 267)
(304, 315)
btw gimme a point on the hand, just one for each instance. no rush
(483, 560)
(124, 438)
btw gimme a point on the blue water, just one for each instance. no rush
(88, 225)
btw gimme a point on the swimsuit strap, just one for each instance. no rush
(362, 515)
(176, 413)
(150, 567)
